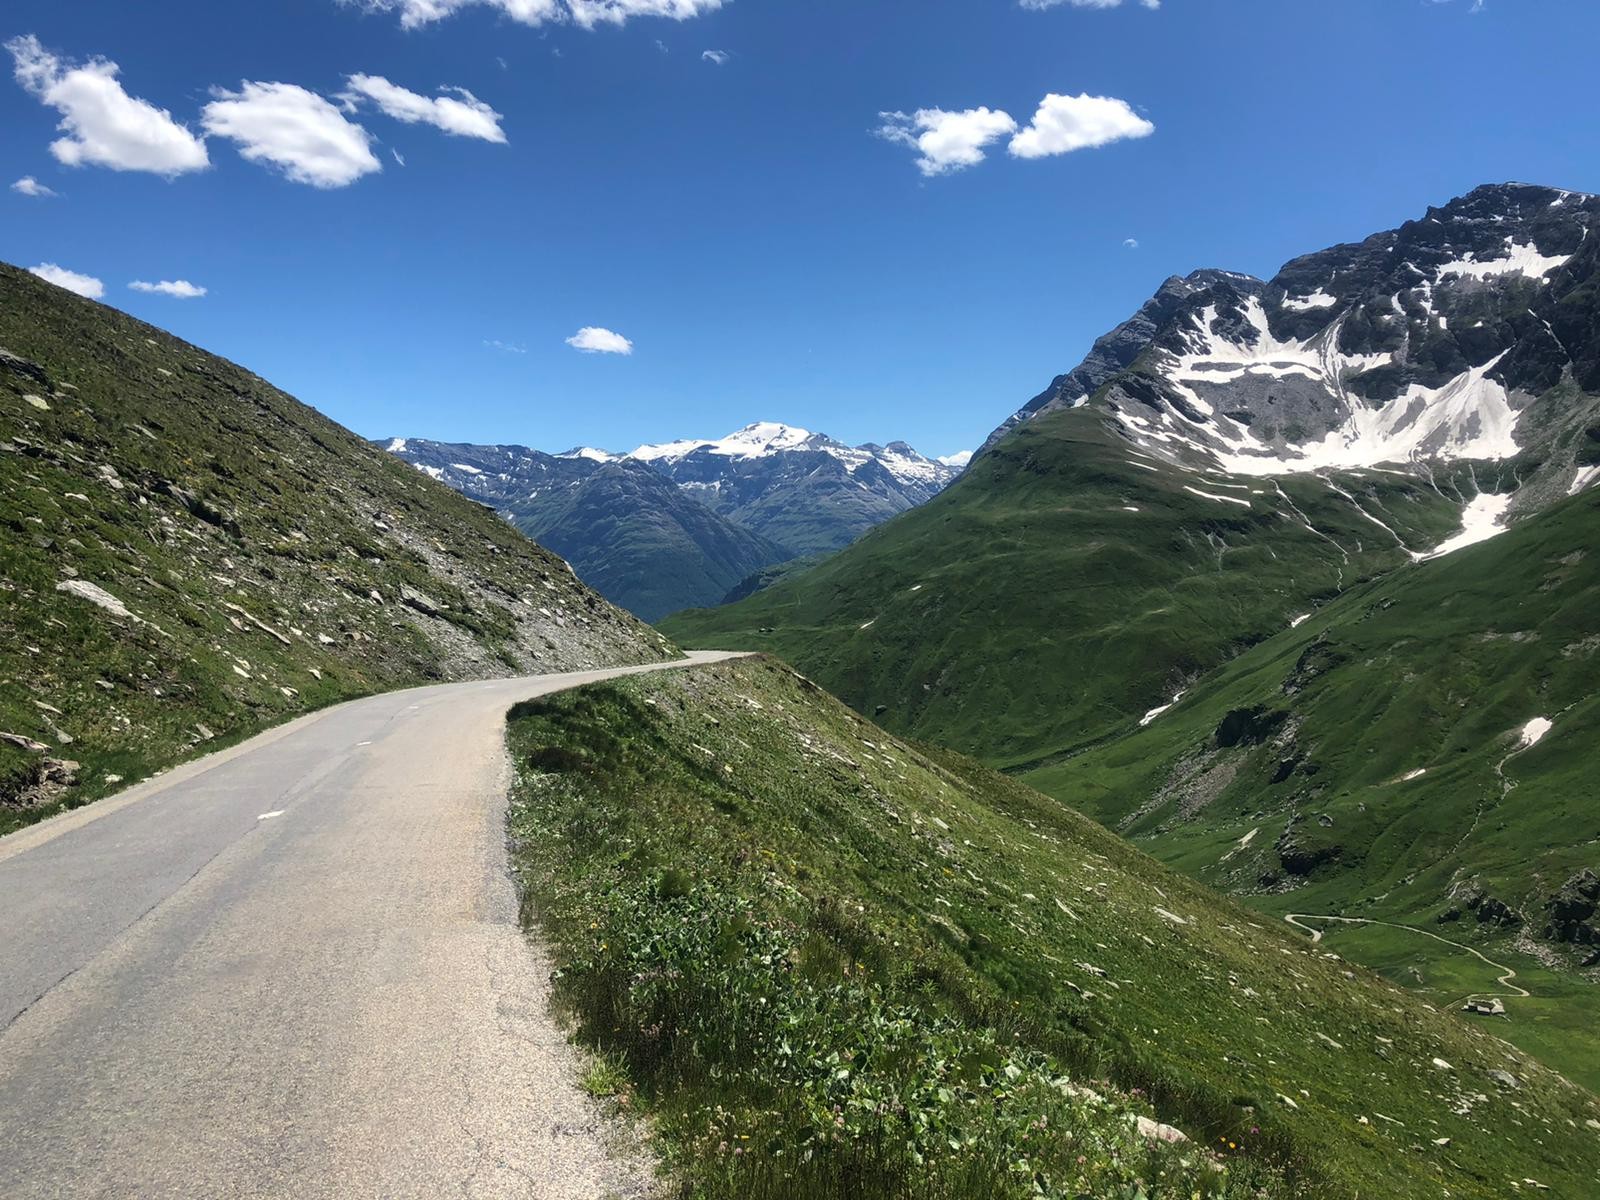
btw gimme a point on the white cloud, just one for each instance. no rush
(959, 459)
(1043, 4)
(397, 156)
(300, 133)
(584, 13)
(505, 347)
(946, 141)
(593, 340)
(29, 186)
(178, 289)
(455, 110)
(589, 13)
(84, 285)
(104, 126)
(719, 57)
(1067, 123)
(1131, 243)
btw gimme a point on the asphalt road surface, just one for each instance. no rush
(294, 969)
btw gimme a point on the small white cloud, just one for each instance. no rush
(586, 14)
(946, 141)
(1043, 4)
(719, 57)
(591, 339)
(505, 347)
(300, 133)
(397, 156)
(104, 126)
(1131, 243)
(1067, 123)
(178, 289)
(958, 460)
(456, 111)
(84, 285)
(29, 186)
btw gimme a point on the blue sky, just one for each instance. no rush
(744, 224)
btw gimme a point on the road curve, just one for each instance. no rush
(1507, 974)
(294, 969)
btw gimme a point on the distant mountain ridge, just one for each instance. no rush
(682, 524)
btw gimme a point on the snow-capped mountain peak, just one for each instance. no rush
(695, 462)
(753, 441)
(590, 453)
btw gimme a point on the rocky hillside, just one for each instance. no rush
(877, 970)
(683, 524)
(190, 555)
(630, 533)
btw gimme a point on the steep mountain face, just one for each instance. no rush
(1419, 751)
(629, 532)
(1473, 333)
(189, 555)
(803, 490)
(684, 524)
(1116, 351)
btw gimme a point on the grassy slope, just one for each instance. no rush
(291, 523)
(801, 935)
(1434, 668)
(1026, 610)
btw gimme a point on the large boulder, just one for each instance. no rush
(1570, 911)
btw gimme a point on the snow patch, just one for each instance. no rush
(397, 446)
(1534, 731)
(1520, 259)
(1585, 477)
(1156, 712)
(1481, 520)
(1299, 621)
(1317, 299)
(1213, 496)
(1469, 417)
(1410, 775)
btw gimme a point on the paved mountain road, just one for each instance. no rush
(294, 969)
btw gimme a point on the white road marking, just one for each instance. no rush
(270, 815)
